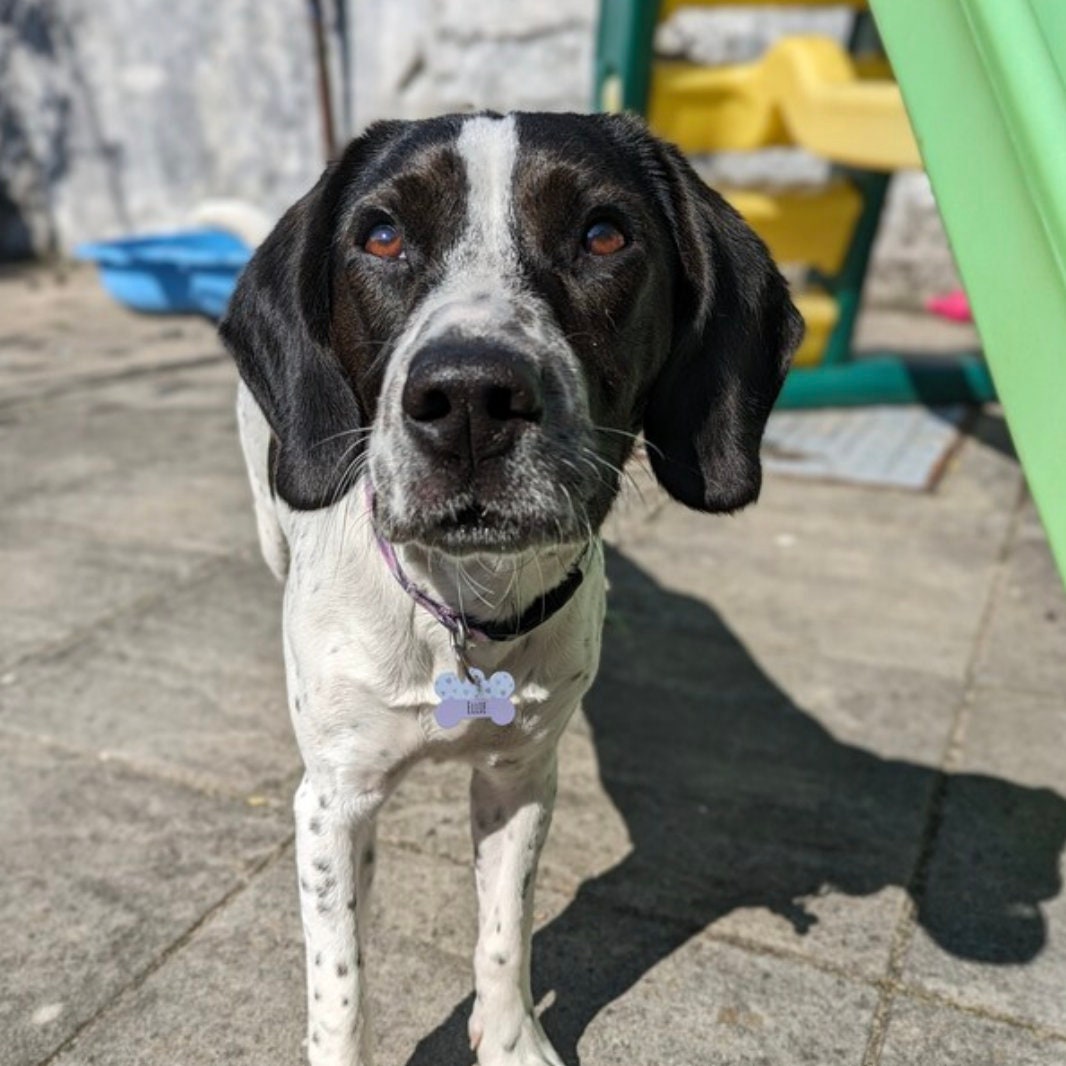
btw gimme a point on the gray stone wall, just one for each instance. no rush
(122, 115)
(457, 55)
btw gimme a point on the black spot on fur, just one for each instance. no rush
(322, 865)
(315, 826)
(342, 969)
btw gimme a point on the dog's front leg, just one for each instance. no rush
(335, 862)
(510, 814)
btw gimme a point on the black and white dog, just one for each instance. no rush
(447, 350)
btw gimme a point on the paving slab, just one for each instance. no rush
(62, 331)
(104, 870)
(709, 1004)
(190, 687)
(167, 420)
(875, 587)
(56, 583)
(1032, 602)
(923, 1034)
(235, 992)
(180, 504)
(992, 932)
(124, 465)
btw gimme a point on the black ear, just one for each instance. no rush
(735, 329)
(278, 329)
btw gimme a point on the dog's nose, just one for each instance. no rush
(471, 401)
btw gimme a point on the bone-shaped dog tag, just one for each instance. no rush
(480, 697)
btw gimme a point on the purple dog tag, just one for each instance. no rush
(480, 697)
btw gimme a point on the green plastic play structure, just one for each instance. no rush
(984, 82)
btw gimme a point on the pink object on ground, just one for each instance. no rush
(953, 305)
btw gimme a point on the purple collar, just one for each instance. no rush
(460, 625)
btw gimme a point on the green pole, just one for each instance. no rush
(624, 45)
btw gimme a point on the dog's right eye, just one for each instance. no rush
(604, 238)
(385, 241)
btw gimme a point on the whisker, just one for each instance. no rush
(359, 431)
(635, 437)
(476, 585)
(621, 472)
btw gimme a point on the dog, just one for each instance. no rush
(447, 350)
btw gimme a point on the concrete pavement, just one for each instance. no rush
(813, 813)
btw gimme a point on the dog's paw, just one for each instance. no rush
(520, 1043)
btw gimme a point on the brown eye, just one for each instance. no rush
(604, 238)
(385, 241)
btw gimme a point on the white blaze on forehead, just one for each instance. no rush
(489, 148)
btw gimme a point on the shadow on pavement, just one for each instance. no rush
(734, 797)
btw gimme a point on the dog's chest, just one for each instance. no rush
(362, 662)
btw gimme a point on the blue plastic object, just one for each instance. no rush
(170, 273)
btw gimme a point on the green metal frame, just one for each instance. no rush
(623, 77)
(624, 41)
(847, 284)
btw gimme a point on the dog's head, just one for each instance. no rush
(488, 309)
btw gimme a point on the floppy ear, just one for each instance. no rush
(735, 329)
(278, 329)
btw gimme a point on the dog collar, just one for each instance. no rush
(459, 624)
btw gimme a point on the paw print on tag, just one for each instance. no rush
(480, 697)
(453, 687)
(500, 685)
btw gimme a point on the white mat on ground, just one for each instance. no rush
(902, 447)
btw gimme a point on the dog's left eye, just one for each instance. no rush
(604, 238)
(385, 241)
